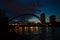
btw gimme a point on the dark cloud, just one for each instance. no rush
(13, 6)
(18, 7)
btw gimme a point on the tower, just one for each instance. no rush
(42, 18)
(52, 19)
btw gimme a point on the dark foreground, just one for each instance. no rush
(14, 36)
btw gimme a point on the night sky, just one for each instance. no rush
(19, 7)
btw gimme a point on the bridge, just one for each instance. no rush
(25, 15)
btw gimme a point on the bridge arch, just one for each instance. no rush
(25, 15)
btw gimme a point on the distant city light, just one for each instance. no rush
(34, 20)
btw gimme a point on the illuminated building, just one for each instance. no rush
(42, 18)
(52, 19)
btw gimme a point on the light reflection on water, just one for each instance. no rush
(38, 35)
(36, 32)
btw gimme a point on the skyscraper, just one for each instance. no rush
(42, 18)
(52, 19)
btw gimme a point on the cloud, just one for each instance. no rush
(18, 8)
